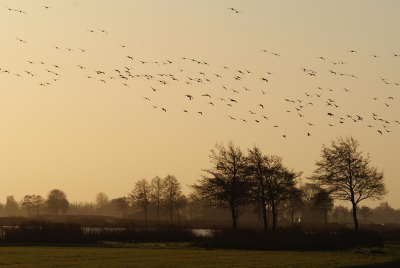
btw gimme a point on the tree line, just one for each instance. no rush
(237, 180)
(244, 183)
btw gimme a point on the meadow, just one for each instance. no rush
(183, 255)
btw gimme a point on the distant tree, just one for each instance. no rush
(323, 202)
(123, 205)
(340, 213)
(345, 173)
(281, 183)
(27, 203)
(140, 195)
(38, 202)
(2, 212)
(195, 205)
(365, 212)
(102, 202)
(226, 183)
(57, 201)
(308, 191)
(294, 203)
(157, 187)
(180, 204)
(11, 208)
(384, 213)
(171, 192)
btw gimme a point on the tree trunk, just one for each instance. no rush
(355, 216)
(158, 209)
(170, 210)
(145, 214)
(263, 205)
(264, 211)
(273, 208)
(234, 223)
(292, 213)
(177, 211)
(326, 216)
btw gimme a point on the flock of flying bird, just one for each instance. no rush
(210, 75)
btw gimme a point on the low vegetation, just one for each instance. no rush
(178, 255)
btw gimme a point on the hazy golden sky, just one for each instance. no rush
(85, 136)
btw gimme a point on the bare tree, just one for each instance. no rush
(157, 187)
(257, 164)
(340, 213)
(102, 202)
(195, 204)
(280, 184)
(323, 202)
(345, 173)
(38, 202)
(226, 183)
(27, 203)
(57, 201)
(123, 205)
(171, 192)
(294, 203)
(180, 204)
(365, 212)
(140, 195)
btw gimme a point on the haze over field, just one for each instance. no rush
(86, 135)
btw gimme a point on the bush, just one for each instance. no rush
(292, 239)
(143, 234)
(44, 232)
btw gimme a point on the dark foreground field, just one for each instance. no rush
(182, 255)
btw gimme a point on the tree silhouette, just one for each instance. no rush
(181, 203)
(323, 202)
(227, 182)
(171, 192)
(102, 202)
(157, 187)
(57, 201)
(140, 195)
(122, 205)
(294, 203)
(280, 184)
(27, 203)
(365, 212)
(347, 175)
(38, 202)
(258, 168)
(195, 205)
(11, 208)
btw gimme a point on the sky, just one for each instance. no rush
(61, 129)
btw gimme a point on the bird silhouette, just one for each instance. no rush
(235, 10)
(22, 41)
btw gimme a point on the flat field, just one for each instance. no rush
(180, 255)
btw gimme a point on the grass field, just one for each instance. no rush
(179, 255)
